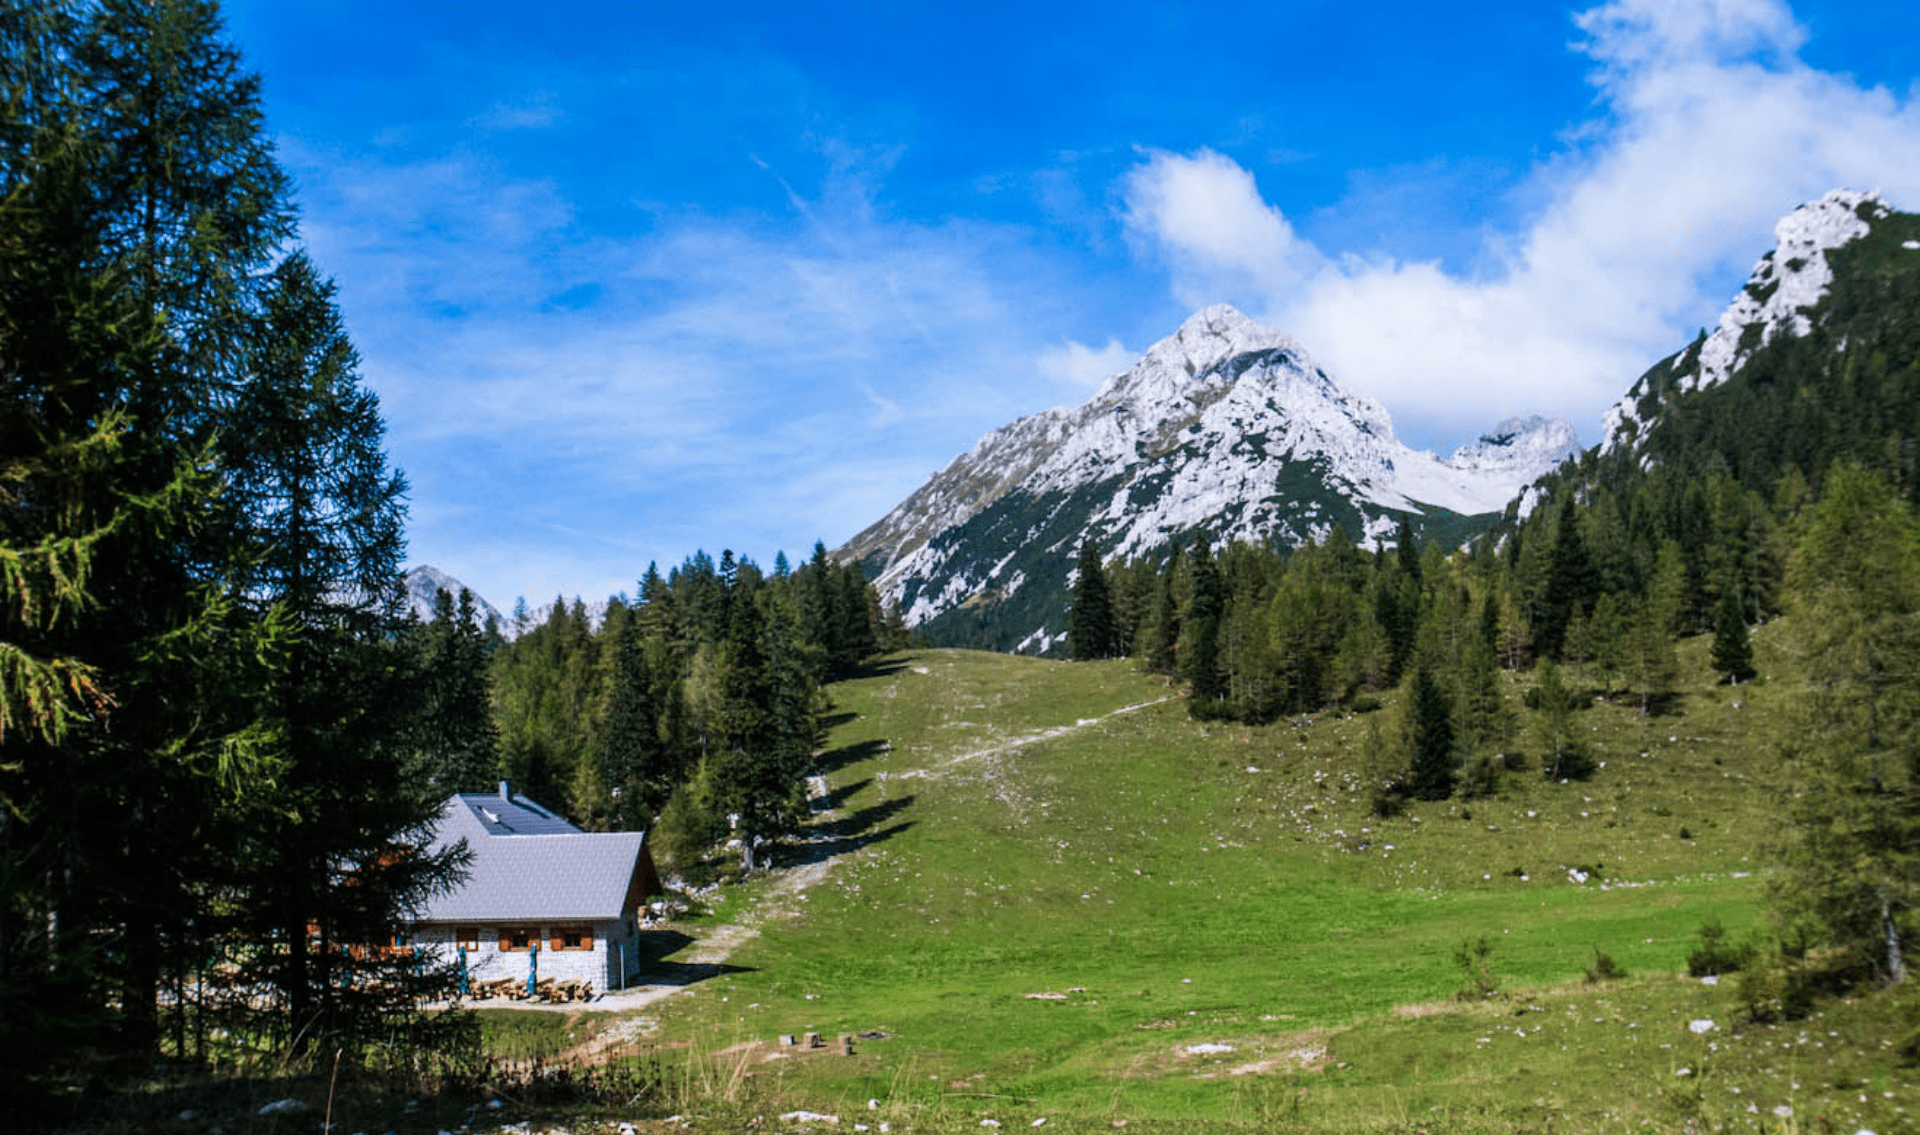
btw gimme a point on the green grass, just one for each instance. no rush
(1179, 885)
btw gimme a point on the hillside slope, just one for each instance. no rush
(1041, 890)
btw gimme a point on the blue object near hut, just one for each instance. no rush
(533, 968)
(460, 983)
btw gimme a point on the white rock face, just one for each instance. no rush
(425, 581)
(1786, 281)
(1221, 425)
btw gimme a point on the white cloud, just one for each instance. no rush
(1081, 365)
(1206, 215)
(1711, 129)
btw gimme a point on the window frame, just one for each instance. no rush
(557, 938)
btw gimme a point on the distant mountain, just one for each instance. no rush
(1225, 429)
(425, 581)
(596, 613)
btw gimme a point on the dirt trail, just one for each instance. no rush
(1049, 734)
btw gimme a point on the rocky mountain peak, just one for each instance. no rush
(424, 582)
(1224, 428)
(1519, 445)
(1787, 281)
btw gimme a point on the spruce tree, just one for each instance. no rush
(640, 776)
(1200, 630)
(763, 728)
(318, 512)
(1485, 720)
(1570, 581)
(1163, 637)
(855, 609)
(456, 745)
(1430, 738)
(1090, 619)
(1732, 653)
(140, 201)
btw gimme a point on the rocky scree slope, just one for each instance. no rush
(1224, 429)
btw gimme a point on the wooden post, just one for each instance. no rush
(846, 1044)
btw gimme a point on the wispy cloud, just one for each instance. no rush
(532, 114)
(1711, 126)
(1085, 366)
(717, 365)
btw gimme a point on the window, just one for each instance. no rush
(517, 939)
(467, 937)
(573, 938)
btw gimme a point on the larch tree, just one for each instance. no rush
(1853, 851)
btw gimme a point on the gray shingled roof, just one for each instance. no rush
(530, 865)
(583, 876)
(512, 815)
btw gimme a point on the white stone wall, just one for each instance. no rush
(614, 943)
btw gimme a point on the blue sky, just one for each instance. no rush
(637, 279)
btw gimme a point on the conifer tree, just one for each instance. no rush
(456, 744)
(320, 512)
(1200, 630)
(764, 728)
(1430, 739)
(1570, 581)
(140, 201)
(1163, 638)
(1565, 756)
(1090, 620)
(110, 646)
(1732, 653)
(1485, 720)
(1853, 858)
(855, 610)
(640, 774)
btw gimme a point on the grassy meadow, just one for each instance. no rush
(1045, 893)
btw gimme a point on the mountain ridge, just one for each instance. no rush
(1786, 284)
(1225, 428)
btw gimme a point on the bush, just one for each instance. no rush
(1759, 991)
(1389, 801)
(1604, 968)
(1212, 709)
(1481, 777)
(1472, 958)
(1573, 763)
(1715, 955)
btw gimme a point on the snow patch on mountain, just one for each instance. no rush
(1224, 426)
(1785, 283)
(424, 582)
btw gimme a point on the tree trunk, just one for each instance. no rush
(1896, 963)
